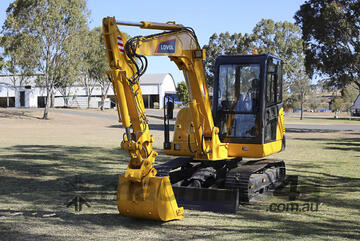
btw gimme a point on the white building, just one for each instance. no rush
(153, 86)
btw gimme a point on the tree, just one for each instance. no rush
(182, 92)
(95, 65)
(300, 86)
(282, 39)
(19, 76)
(290, 102)
(1, 63)
(349, 95)
(49, 32)
(331, 37)
(224, 44)
(65, 80)
(89, 60)
(69, 69)
(15, 62)
(98, 65)
(336, 104)
(314, 99)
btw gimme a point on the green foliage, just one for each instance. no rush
(183, 92)
(299, 85)
(49, 34)
(291, 102)
(331, 40)
(95, 56)
(314, 99)
(96, 61)
(1, 63)
(336, 104)
(282, 39)
(225, 44)
(349, 95)
(15, 61)
(89, 58)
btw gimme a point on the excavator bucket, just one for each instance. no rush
(151, 199)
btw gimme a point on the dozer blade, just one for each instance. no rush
(151, 199)
(206, 199)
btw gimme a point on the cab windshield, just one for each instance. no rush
(238, 99)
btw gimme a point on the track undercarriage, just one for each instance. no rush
(221, 186)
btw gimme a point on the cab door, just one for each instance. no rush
(273, 99)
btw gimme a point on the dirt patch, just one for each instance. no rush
(27, 127)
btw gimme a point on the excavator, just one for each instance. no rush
(244, 119)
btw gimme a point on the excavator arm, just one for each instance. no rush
(127, 61)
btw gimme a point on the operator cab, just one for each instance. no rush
(248, 98)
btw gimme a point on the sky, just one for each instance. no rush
(204, 16)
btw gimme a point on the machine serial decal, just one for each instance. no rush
(166, 46)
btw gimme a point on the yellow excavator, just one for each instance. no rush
(244, 119)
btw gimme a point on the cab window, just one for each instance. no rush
(274, 82)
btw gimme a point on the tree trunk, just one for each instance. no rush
(88, 99)
(50, 91)
(66, 101)
(102, 102)
(47, 104)
(65, 97)
(103, 96)
(301, 107)
(52, 99)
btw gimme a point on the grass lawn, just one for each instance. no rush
(322, 118)
(44, 164)
(321, 121)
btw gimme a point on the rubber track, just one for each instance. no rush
(238, 178)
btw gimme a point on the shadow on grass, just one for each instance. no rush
(345, 144)
(302, 130)
(341, 144)
(27, 169)
(54, 160)
(17, 114)
(246, 223)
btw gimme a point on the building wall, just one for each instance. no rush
(149, 89)
(7, 95)
(6, 90)
(77, 93)
(81, 102)
(29, 97)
